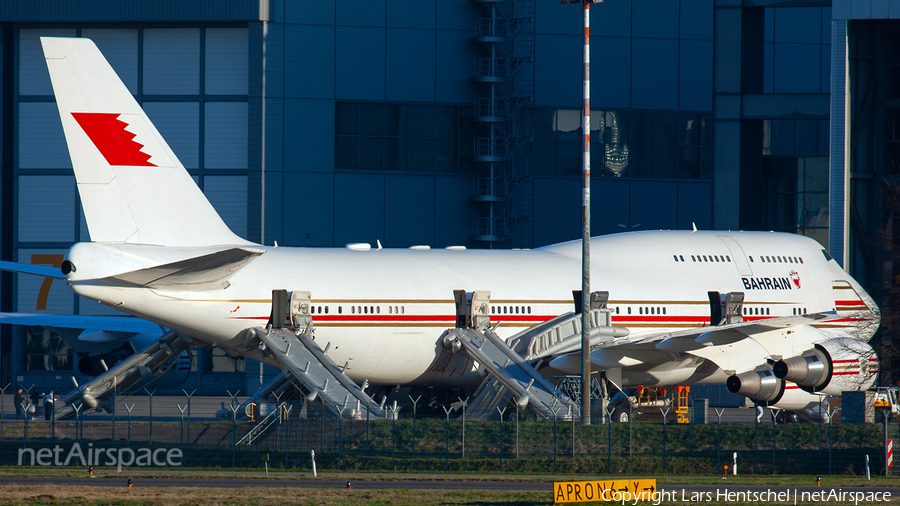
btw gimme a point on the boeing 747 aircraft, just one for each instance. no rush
(758, 311)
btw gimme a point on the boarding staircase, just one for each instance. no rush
(273, 418)
(511, 367)
(147, 363)
(304, 363)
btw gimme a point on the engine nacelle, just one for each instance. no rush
(760, 385)
(832, 367)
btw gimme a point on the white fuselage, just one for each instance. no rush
(384, 311)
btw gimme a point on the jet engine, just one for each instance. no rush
(831, 367)
(760, 385)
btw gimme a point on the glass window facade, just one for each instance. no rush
(426, 138)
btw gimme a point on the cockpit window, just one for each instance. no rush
(827, 256)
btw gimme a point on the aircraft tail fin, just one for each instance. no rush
(133, 188)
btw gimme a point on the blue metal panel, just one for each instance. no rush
(895, 9)
(654, 204)
(358, 208)
(273, 52)
(309, 129)
(694, 205)
(654, 74)
(836, 210)
(769, 30)
(172, 61)
(610, 206)
(697, 19)
(410, 65)
(225, 135)
(314, 13)
(558, 18)
(825, 83)
(768, 67)
(557, 210)
(276, 196)
(800, 25)
(226, 61)
(612, 19)
(881, 9)
(316, 216)
(409, 210)
(456, 52)
(274, 134)
(309, 61)
(360, 64)
(840, 9)
(557, 70)
(360, 12)
(458, 15)
(453, 220)
(46, 208)
(610, 72)
(826, 24)
(656, 18)
(860, 9)
(695, 76)
(411, 14)
(797, 68)
(115, 10)
(41, 142)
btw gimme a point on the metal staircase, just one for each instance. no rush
(511, 367)
(281, 411)
(308, 365)
(148, 362)
(506, 50)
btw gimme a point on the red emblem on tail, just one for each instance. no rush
(116, 144)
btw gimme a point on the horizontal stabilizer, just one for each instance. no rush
(207, 272)
(37, 270)
(107, 323)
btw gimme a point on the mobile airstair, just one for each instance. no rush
(146, 363)
(510, 367)
(306, 364)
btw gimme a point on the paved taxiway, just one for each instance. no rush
(444, 482)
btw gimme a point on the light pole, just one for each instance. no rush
(586, 219)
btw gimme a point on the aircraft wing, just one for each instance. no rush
(698, 338)
(106, 323)
(37, 270)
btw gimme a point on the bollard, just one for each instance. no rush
(130, 483)
(90, 471)
(312, 455)
(348, 485)
(818, 481)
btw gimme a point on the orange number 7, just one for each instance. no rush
(53, 259)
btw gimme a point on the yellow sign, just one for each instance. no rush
(604, 490)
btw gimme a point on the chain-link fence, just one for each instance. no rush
(448, 443)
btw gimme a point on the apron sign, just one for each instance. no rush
(603, 490)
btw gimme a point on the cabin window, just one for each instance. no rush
(640, 310)
(693, 259)
(517, 309)
(353, 309)
(728, 258)
(675, 257)
(529, 309)
(378, 309)
(767, 311)
(326, 309)
(340, 309)
(751, 258)
(664, 310)
(617, 309)
(681, 257)
(365, 310)
(629, 309)
(801, 260)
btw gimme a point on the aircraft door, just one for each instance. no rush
(737, 254)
